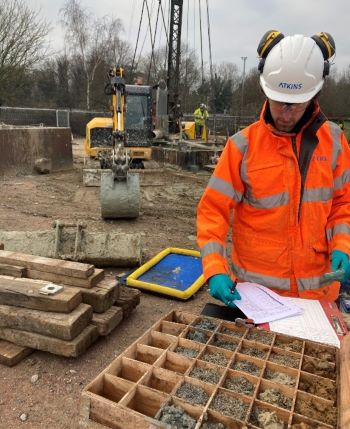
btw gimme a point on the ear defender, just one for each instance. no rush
(267, 42)
(327, 45)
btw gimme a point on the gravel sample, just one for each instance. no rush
(290, 361)
(176, 417)
(240, 385)
(266, 419)
(207, 375)
(293, 346)
(230, 406)
(210, 425)
(185, 351)
(259, 335)
(252, 351)
(217, 358)
(246, 366)
(199, 336)
(192, 394)
(207, 324)
(275, 397)
(280, 377)
(224, 344)
(232, 332)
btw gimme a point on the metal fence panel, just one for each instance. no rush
(77, 119)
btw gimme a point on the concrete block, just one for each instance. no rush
(98, 248)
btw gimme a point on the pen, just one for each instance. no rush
(233, 287)
(337, 325)
(335, 275)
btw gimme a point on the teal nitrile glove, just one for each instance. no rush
(220, 286)
(340, 261)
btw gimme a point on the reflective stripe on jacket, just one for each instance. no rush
(200, 116)
(281, 237)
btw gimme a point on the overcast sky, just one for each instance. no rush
(236, 25)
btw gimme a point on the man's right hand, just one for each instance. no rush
(220, 286)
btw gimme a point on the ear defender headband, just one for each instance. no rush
(326, 43)
(270, 39)
(267, 42)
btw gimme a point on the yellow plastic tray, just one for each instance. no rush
(173, 271)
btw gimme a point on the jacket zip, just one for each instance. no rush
(295, 150)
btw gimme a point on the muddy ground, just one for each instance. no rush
(30, 203)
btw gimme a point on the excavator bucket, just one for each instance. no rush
(119, 198)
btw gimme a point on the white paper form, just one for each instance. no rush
(262, 304)
(313, 324)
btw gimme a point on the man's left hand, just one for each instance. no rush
(340, 261)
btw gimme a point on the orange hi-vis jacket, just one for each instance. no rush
(287, 218)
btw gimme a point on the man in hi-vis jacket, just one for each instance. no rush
(285, 182)
(200, 117)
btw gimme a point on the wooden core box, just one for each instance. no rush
(217, 372)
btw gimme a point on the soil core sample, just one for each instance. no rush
(176, 417)
(205, 374)
(192, 394)
(230, 406)
(240, 385)
(185, 351)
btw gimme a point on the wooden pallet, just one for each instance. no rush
(134, 388)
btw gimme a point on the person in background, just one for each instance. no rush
(200, 117)
(284, 181)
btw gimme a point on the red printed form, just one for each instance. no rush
(313, 320)
(320, 321)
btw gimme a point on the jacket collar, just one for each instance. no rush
(309, 115)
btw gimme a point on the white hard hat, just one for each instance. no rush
(293, 71)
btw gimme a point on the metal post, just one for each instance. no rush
(244, 59)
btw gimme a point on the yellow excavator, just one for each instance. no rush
(120, 188)
(137, 123)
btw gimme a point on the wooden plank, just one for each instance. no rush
(344, 360)
(108, 320)
(25, 293)
(72, 348)
(58, 325)
(89, 282)
(102, 296)
(50, 265)
(12, 270)
(11, 354)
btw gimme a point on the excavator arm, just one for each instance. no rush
(120, 190)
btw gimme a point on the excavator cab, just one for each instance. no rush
(138, 127)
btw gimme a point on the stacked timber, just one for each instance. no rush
(66, 322)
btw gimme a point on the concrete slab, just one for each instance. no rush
(22, 148)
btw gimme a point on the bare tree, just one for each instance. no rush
(22, 42)
(90, 39)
